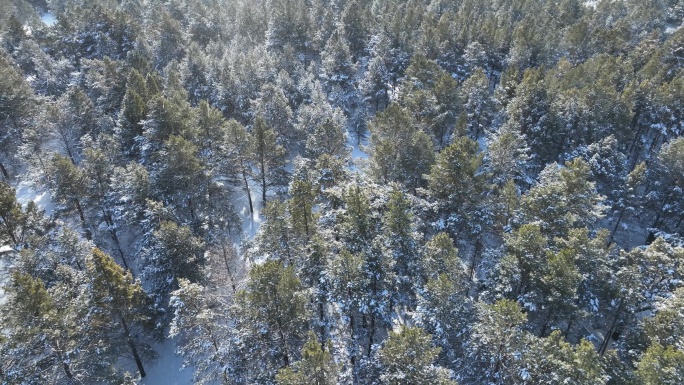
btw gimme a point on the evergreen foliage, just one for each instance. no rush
(357, 192)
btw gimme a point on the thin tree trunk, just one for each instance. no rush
(545, 324)
(5, 174)
(10, 232)
(225, 260)
(134, 350)
(249, 193)
(115, 237)
(192, 209)
(679, 222)
(371, 334)
(567, 330)
(321, 318)
(286, 353)
(83, 220)
(612, 233)
(609, 332)
(476, 257)
(263, 183)
(67, 371)
(352, 353)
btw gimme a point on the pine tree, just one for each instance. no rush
(549, 360)
(336, 60)
(181, 177)
(497, 341)
(316, 366)
(407, 357)
(11, 216)
(324, 126)
(443, 305)
(375, 83)
(69, 184)
(276, 239)
(356, 227)
(455, 182)
(49, 338)
(169, 42)
(478, 104)
(667, 175)
(133, 111)
(446, 92)
(666, 326)
(167, 115)
(197, 320)
(174, 253)
(528, 113)
(403, 247)
(399, 152)
(99, 174)
(563, 198)
(506, 156)
(272, 106)
(660, 365)
(120, 304)
(300, 207)
(345, 282)
(330, 139)
(268, 156)
(16, 104)
(355, 18)
(271, 321)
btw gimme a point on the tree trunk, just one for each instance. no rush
(225, 260)
(115, 238)
(612, 233)
(263, 183)
(371, 334)
(134, 350)
(83, 220)
(321, 319)
(10, 231)
(609, 332)
(249, 193)
(679, 222)
(5, 174)
(476, 257)
(67, 371)
(192, 209)
(567, 330)
(545, 324)
(286, 353)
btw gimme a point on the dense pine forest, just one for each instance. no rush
(301, 192)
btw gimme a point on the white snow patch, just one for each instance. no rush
(250, 223)
(482, 142)
(166, 369)
(358, 155)
(3, 280)
(26, 193)
(671, 28)
(4, 271)
(48, 19)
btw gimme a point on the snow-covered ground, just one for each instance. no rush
(359, 156)
(166, 369)
(26, 193)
